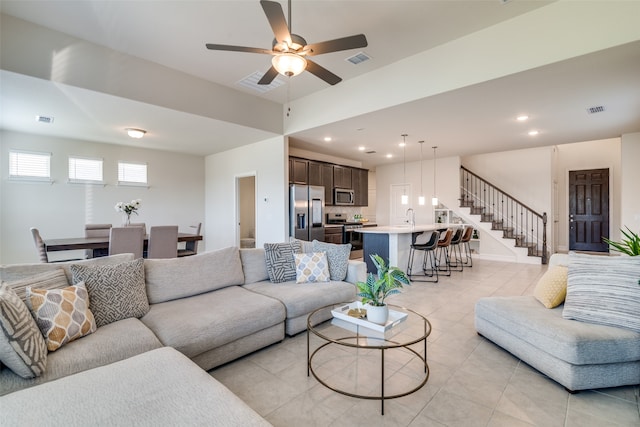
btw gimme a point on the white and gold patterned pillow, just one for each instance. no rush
(22, 348)
(311, 267)
(62, 315)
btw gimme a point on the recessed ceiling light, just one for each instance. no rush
(522, 118)
(327, 139)
(402, 144)
(533, 132)
(389, 156)
(361, 148)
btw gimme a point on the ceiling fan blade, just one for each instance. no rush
(231, 48)
(268, 76)
(276, 18)
(345, 43)
(322, 73)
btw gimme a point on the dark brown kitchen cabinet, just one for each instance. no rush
(342, 177)
(360, 181)
(333, 235)
(321, 173)
(298, 170)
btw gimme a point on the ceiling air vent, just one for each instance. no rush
(597, 109)
(44, 119)
(358, 58)
(251, 82)
(371, 152)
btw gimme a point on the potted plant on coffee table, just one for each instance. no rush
(378, 287)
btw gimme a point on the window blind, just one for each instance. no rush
(85, 169)
(33, 165)
(132, 172)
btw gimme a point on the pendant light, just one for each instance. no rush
(404, 200)
(421, 197)
(434, 199)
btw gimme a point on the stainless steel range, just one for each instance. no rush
(349, 233)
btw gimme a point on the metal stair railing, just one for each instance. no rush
(506, 213)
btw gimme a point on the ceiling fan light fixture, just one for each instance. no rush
(289, 64)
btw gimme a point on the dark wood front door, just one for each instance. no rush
(588, 210)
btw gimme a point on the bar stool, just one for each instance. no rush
(466, 238)
(443, 249)
(420, 243)
(456, 252)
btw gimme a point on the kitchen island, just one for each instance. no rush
(393, 242)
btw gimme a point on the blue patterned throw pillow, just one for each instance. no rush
(280, 263)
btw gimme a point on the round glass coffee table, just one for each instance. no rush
(344, 353)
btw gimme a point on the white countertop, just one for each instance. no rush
(404, 229)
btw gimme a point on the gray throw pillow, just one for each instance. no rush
(116, 291)
(338, 257)
(604, 290)
(54, 279)
(22, 346)
(281, 265)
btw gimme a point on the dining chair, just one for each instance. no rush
(163, 241)
(42, 250)
(139, 224)
(124, 240)
(97, 230)
(191, 248)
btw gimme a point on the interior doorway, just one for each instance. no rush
(246, 211)
(588, 210)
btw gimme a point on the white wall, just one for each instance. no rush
(175, 196)
(268, 161)
(605, 154)
(630, 202)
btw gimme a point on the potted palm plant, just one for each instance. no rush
(378, 287)
(629, 246)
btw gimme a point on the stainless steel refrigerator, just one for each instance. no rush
(306, 207)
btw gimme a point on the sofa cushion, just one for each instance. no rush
(301, 300)
(604, 290)
(115, 341)
(116, 291)
(254, 265)
(62, 315)
(551, 289)
(199, 323)
(170, 279)
(157, 388)
(338, 256)
(10, 273)
(311, 267)
(54, 279)
(280, 263)
(578, 343)
(22, 347)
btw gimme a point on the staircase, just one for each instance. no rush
(501, 213)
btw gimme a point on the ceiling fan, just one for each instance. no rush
(290, 51)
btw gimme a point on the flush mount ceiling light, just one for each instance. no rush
(327, 139)
(533, 132)
(135, 133)
(522, 118)
(289, 64)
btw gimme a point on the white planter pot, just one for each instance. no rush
(378, 315)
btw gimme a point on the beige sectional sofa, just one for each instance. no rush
(212, 308)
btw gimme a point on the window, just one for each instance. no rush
(132, 173)
(30, 165)
(82, 169)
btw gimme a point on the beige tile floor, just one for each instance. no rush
(472, 381)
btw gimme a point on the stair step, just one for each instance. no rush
(486, 217)
(497, 225)
(476, 210)
(508, 232)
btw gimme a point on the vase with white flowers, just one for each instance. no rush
(128, 208)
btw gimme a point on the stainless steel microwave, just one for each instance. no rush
(343, 196)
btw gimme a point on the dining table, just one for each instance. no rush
(93, 243)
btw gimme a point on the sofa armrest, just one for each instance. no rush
(356, 271)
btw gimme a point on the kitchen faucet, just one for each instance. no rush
(412, 218)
